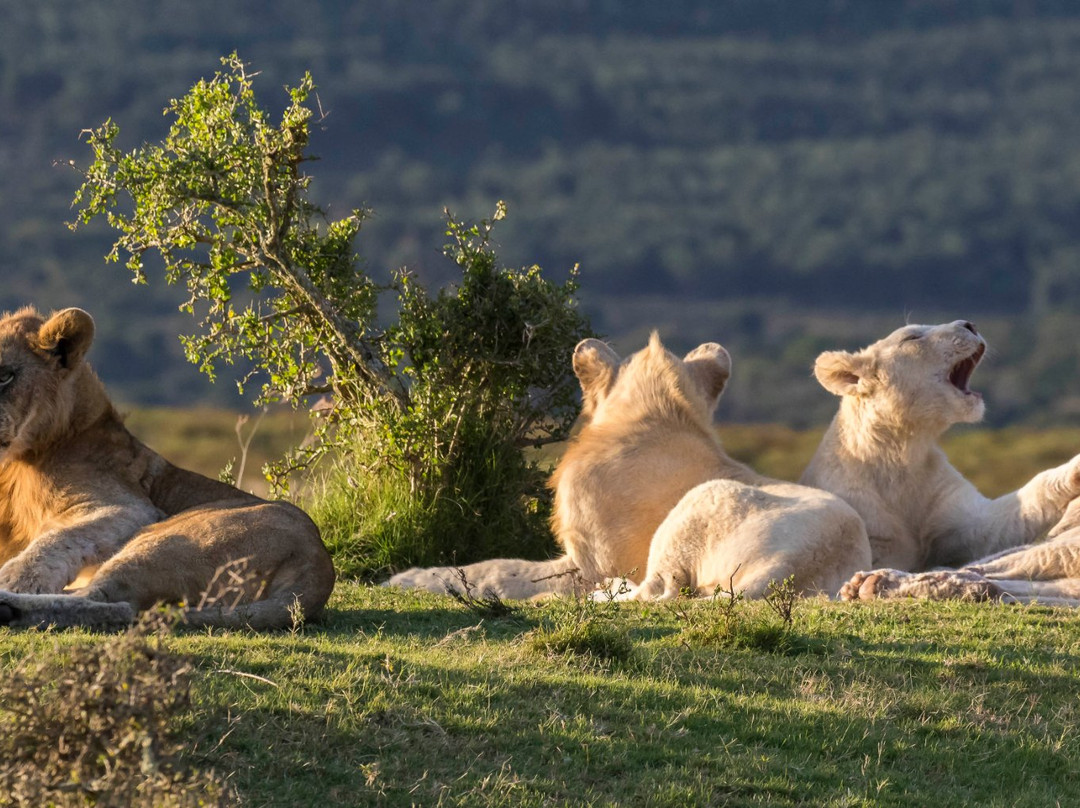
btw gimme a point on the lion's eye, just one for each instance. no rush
(6, 377)
(910, 337)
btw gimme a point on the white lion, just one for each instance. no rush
(881, 456)
(645, 490)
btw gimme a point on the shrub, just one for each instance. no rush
(90, 725)
(438, 398)
(727, 621)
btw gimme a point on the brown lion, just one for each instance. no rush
(95, 526)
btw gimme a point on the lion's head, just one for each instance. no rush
(41, 361)
(917, 376)
(614, 389)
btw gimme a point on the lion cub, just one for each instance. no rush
(880, 453)
(646, 490)
(77, 490)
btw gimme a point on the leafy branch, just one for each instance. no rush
(446, 392)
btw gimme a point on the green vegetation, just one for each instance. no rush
(94, 724)
(406, 698)
(429, 407)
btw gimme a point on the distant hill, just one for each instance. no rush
(780, 177)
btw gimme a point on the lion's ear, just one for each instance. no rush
(595, 364)
(843, 373)
(710, 367)
(67, 336)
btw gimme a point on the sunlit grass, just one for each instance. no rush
(403, 698)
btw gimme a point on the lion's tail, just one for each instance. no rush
(509, 578)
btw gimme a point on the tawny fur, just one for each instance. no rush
(646, 491)
(81, 500)
(881, 455)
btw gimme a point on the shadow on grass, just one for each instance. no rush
(867, 728)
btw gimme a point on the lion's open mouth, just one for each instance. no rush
(961, 372)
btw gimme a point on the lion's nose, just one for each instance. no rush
(970, 327)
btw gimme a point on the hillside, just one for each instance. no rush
(781, 178)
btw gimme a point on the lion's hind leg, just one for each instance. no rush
(696, 532)
(1053, 560)
(230, 563)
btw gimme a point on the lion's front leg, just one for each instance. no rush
(61, 611)
(54, 559)
(1053, 498)
(30, 573)
(936, 585)
(1048, 500)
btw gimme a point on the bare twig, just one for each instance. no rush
(246, 675)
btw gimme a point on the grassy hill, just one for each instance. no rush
(405, 698)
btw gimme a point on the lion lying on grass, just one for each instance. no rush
(645, 490)
(881, 456)
(77, 490)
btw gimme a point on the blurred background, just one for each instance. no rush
(780, 177)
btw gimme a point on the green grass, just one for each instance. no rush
(405, 698)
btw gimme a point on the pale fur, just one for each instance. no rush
(646, 491)
(1047, 573)
(84, 504)
(881, 455)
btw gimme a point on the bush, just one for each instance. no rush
(436, 400)
(90, 726)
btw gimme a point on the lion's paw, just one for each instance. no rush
(873, 585)
(8, 614)
(937, 585)
(960, 584)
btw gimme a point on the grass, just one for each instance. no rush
(400, 698)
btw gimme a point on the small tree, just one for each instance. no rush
(441, 397)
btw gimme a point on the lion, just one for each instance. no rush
(95, 526)
(880, 455)
(645, 490)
